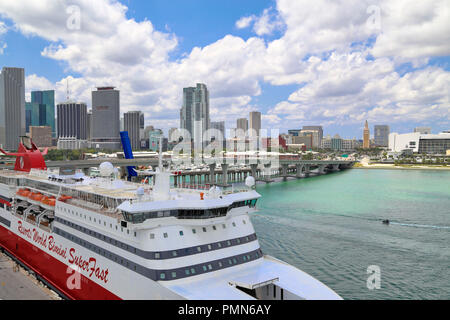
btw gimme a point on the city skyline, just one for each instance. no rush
(355, 71)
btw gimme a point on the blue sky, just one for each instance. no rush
(296, 63)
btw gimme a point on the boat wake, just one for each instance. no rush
(419, 225)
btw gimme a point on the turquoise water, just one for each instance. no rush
(330, 227)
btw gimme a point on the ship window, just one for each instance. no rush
(128, 231)
(214, 227)
(238, 241)
(234, 224)
(152, 236)
(174, 253)
(220, 264)
(224, 226)
(174, 275)
(165, 235)
(204, 229)
(228, 242)
(181, 233)
(204, 268)
(162, 275)
(135, 234)
(243, 221)
(234, 260)
(245, 258)
(199, 249)
(209, 267)
(229, 262)
(192, 270)
(157, 255)
(219, 245)
(186, 272)
(194, 231)
(209, 247)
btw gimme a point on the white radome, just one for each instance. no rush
(106, 169)
(249, 181)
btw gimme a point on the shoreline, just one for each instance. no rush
(392, 167)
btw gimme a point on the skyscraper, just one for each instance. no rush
(12, 107)
(106, 118)
(366, 136)
(132, 124)
(255, 125)
(72, 120)
(381, 135)
(194, 114)
(319, 130)
(44, 101)
(242, 123)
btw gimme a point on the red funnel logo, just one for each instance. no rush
(28, 156)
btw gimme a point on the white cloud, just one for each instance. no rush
(324, 49)
(244, 22)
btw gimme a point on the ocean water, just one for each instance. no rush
(331, 227)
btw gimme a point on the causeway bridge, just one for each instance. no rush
(217, 171)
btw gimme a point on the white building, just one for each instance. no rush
(406, 141)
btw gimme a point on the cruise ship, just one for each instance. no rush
(106, 238)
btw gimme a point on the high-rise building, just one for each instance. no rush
(220, 126)
(194, 114)
(173, 134)
(423, 130)
(319, 129)
(71, 120)
(255, 124)
(242, 123)
(12, 107)
(43, 109)
(366, 136)
(106, 118)
(381, 135)
(132, 124)
(315, 136)
(89, 125)
(41, 135)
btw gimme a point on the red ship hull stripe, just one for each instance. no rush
(51, 269)
(5, 202)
